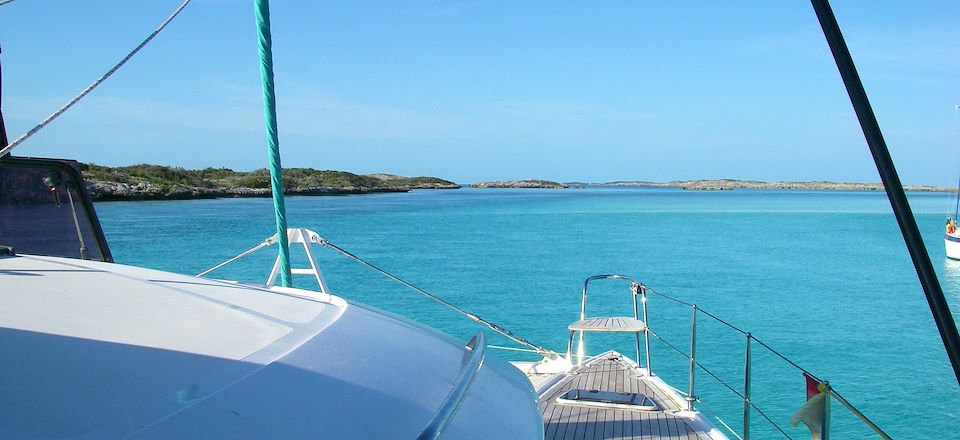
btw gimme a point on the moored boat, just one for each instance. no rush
(951, 239)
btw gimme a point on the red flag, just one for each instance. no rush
(813, 387)
(813, 412)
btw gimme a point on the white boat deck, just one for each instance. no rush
(95, 350)
(612, 372)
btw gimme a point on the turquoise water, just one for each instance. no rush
(824, 277)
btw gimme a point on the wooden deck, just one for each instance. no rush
(612, 373)
(614, 324)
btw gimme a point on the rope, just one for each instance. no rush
(265, 243)
(524, 350)
(712, 413)
(730, 387)
(265, 43)
(792, 363)
(716, 318)
(698, 309)
(722, 382)
(25, 136)
(769, 420)
(742, 397)
(4, 2)
(471, 316)
(546, 352)
(722, 321)
(670, 345)
(669, 297)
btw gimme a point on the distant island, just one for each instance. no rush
(710, 185)
(730, 184)
(157, 182)
(529, 183)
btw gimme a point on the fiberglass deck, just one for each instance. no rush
(613, 374)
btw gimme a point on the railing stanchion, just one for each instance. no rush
(746, 390)
(691, 397)
(646, 333)
(635, 289)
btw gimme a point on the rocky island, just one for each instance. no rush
(157, 182)
(730, 184)
(529, 183)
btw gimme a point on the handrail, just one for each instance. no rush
(468, 373)
(586, 284)
(636, 289)
(745, 394)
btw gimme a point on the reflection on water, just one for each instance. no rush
(951, 278)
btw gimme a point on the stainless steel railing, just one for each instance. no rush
(744, 393)
(637, 289)
(476, 349)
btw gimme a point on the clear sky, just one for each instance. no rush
(476, 90)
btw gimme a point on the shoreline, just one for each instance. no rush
(707, 185)
(157, 182)
(251, 195)
(343, 192)
(732, 184)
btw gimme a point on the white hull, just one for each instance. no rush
(952, 244)
(103, 350)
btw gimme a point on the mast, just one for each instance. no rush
(891, 183)
(956, 206)
(262, 8)
(3, 128)
(956, 202)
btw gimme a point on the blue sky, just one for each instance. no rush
(475, 90)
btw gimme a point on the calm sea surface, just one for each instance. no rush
(823, 277)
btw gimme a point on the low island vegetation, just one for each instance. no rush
(158, 182)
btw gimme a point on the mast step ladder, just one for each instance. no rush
(304, 237)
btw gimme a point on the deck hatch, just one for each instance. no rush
(608, 399)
